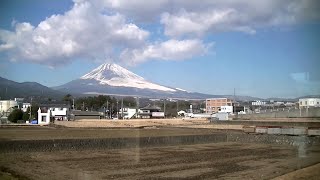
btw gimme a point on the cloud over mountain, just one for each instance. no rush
(112, 29)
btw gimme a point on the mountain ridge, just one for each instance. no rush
(17, 89)
(11, 89)
(113, 79)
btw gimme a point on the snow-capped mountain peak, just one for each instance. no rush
(115, 75)
(108, 71)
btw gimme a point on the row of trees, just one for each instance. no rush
(97, 103)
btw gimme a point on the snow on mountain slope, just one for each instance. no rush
(115, 75)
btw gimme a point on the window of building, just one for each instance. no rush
(43, 118)
(306, 102)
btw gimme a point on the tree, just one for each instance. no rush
(68, 98)
(25, 116)
(34, 112)
(15, 115)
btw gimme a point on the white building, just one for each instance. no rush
(128, 113)
(309, 102)
(226, 109)
(258, 103)
(44, 116)
(60, 113)
(25, 106)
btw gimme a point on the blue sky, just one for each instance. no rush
(268, 49)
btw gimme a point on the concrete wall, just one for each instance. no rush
(116, 143)
(291, 113)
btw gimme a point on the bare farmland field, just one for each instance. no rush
(196, 160)
(199, 161)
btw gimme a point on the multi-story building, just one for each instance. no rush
(213, 105)
(309, 102)
(6, 106)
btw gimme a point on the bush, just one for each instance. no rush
(15, 115)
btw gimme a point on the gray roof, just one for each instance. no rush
(149, 107)
(86, 113)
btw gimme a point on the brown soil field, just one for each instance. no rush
(221, 160)
(199, 161)
(43, 133)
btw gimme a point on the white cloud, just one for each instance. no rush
(108, 29)
(82, 32)
(243, 16)
(191, 23)
(168, 50)
(189, 17)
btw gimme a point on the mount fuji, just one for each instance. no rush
(112, 79)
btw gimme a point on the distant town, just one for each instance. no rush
(20, 110)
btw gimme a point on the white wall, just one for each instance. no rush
(309, 102)
(226, 109)
(46, 115)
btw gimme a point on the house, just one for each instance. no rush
(60, 112)
(52, 112)
(128, 113)
(150, 112)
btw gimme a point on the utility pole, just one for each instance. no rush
(164, 108)
(177, 107)
(122, 108)
(73, 104)
(111, 110)
(30, 109)
(234, 100)
(108, 107)
(117, 109)
(137, 107)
